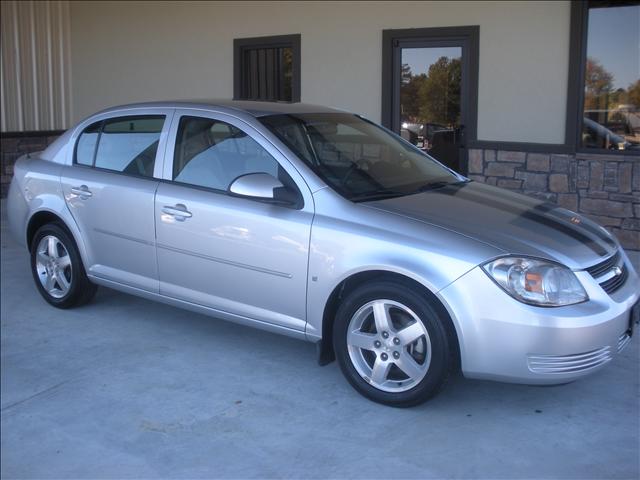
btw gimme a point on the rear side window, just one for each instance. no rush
(211, 154)
(125, 144)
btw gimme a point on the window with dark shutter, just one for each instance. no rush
(267, 68)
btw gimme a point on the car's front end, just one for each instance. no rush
(558, 303)
(504, 338)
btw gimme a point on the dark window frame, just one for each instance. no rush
(575, 86)
(577, 65)
(102, 123)
(469, 38)
(240, 45)
(469, 35)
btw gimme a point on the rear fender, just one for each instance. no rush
(36, 188)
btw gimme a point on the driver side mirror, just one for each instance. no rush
(265, 187)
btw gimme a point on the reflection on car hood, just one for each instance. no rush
(512, 222)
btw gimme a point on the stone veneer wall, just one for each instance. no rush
(13, 146)
(605, 188)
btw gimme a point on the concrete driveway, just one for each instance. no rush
(124, 387)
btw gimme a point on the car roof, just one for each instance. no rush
(254, 108)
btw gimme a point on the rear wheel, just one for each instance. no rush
(57, 268)
(392, 345)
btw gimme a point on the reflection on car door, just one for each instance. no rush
(236, 255)
(110, 189)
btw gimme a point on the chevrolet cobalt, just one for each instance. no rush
(322, 225)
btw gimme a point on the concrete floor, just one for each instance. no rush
(126, 388)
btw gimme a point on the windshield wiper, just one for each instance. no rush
(377, 195)
(381, 194)
(435, 185)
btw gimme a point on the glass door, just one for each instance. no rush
(433, 74)
(430, 82)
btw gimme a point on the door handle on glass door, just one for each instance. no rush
(178, 211)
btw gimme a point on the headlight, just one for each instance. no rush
(536, 282)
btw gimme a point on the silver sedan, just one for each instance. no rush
(322, 225)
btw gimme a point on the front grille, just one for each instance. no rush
(558, 364)
(623, 341)
(616, 282)
(603, 272)
(603, 267)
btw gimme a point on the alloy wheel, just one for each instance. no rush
(53, 266)
(388, 345)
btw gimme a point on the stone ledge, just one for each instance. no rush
(603, 187)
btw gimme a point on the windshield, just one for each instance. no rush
(357, 158)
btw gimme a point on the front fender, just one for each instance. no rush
(365, 239)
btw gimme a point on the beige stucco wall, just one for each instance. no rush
(135, 51)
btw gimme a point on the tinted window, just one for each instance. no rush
(212, 154)
(86, 147)
(611, 110)
(129, 144)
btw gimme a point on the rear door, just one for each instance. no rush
(240, 256)
(110, 187)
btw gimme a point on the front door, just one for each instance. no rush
(239, 256)
(431, 101)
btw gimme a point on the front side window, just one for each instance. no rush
(357, 158)
(124, 144)
(611, 108)
(212, 154)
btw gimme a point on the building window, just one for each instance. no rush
(609, 107)
(267, 68)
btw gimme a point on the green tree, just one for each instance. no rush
(598, 84)
(633, 94)
(409, 94)
(439, 93)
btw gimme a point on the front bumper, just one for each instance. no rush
(503, 339)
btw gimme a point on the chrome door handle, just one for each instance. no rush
(178, 211)
(82, 191)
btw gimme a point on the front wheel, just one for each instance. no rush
(392, 345)
(57, 268)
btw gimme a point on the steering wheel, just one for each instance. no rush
(360, 164)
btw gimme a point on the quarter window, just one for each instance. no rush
(86, 147)
(211, 154)
(125, 144)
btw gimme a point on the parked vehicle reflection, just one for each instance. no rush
(595, 135)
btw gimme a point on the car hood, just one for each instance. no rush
(512, 222)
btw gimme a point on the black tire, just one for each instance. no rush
(442, 361)
(80, 290)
